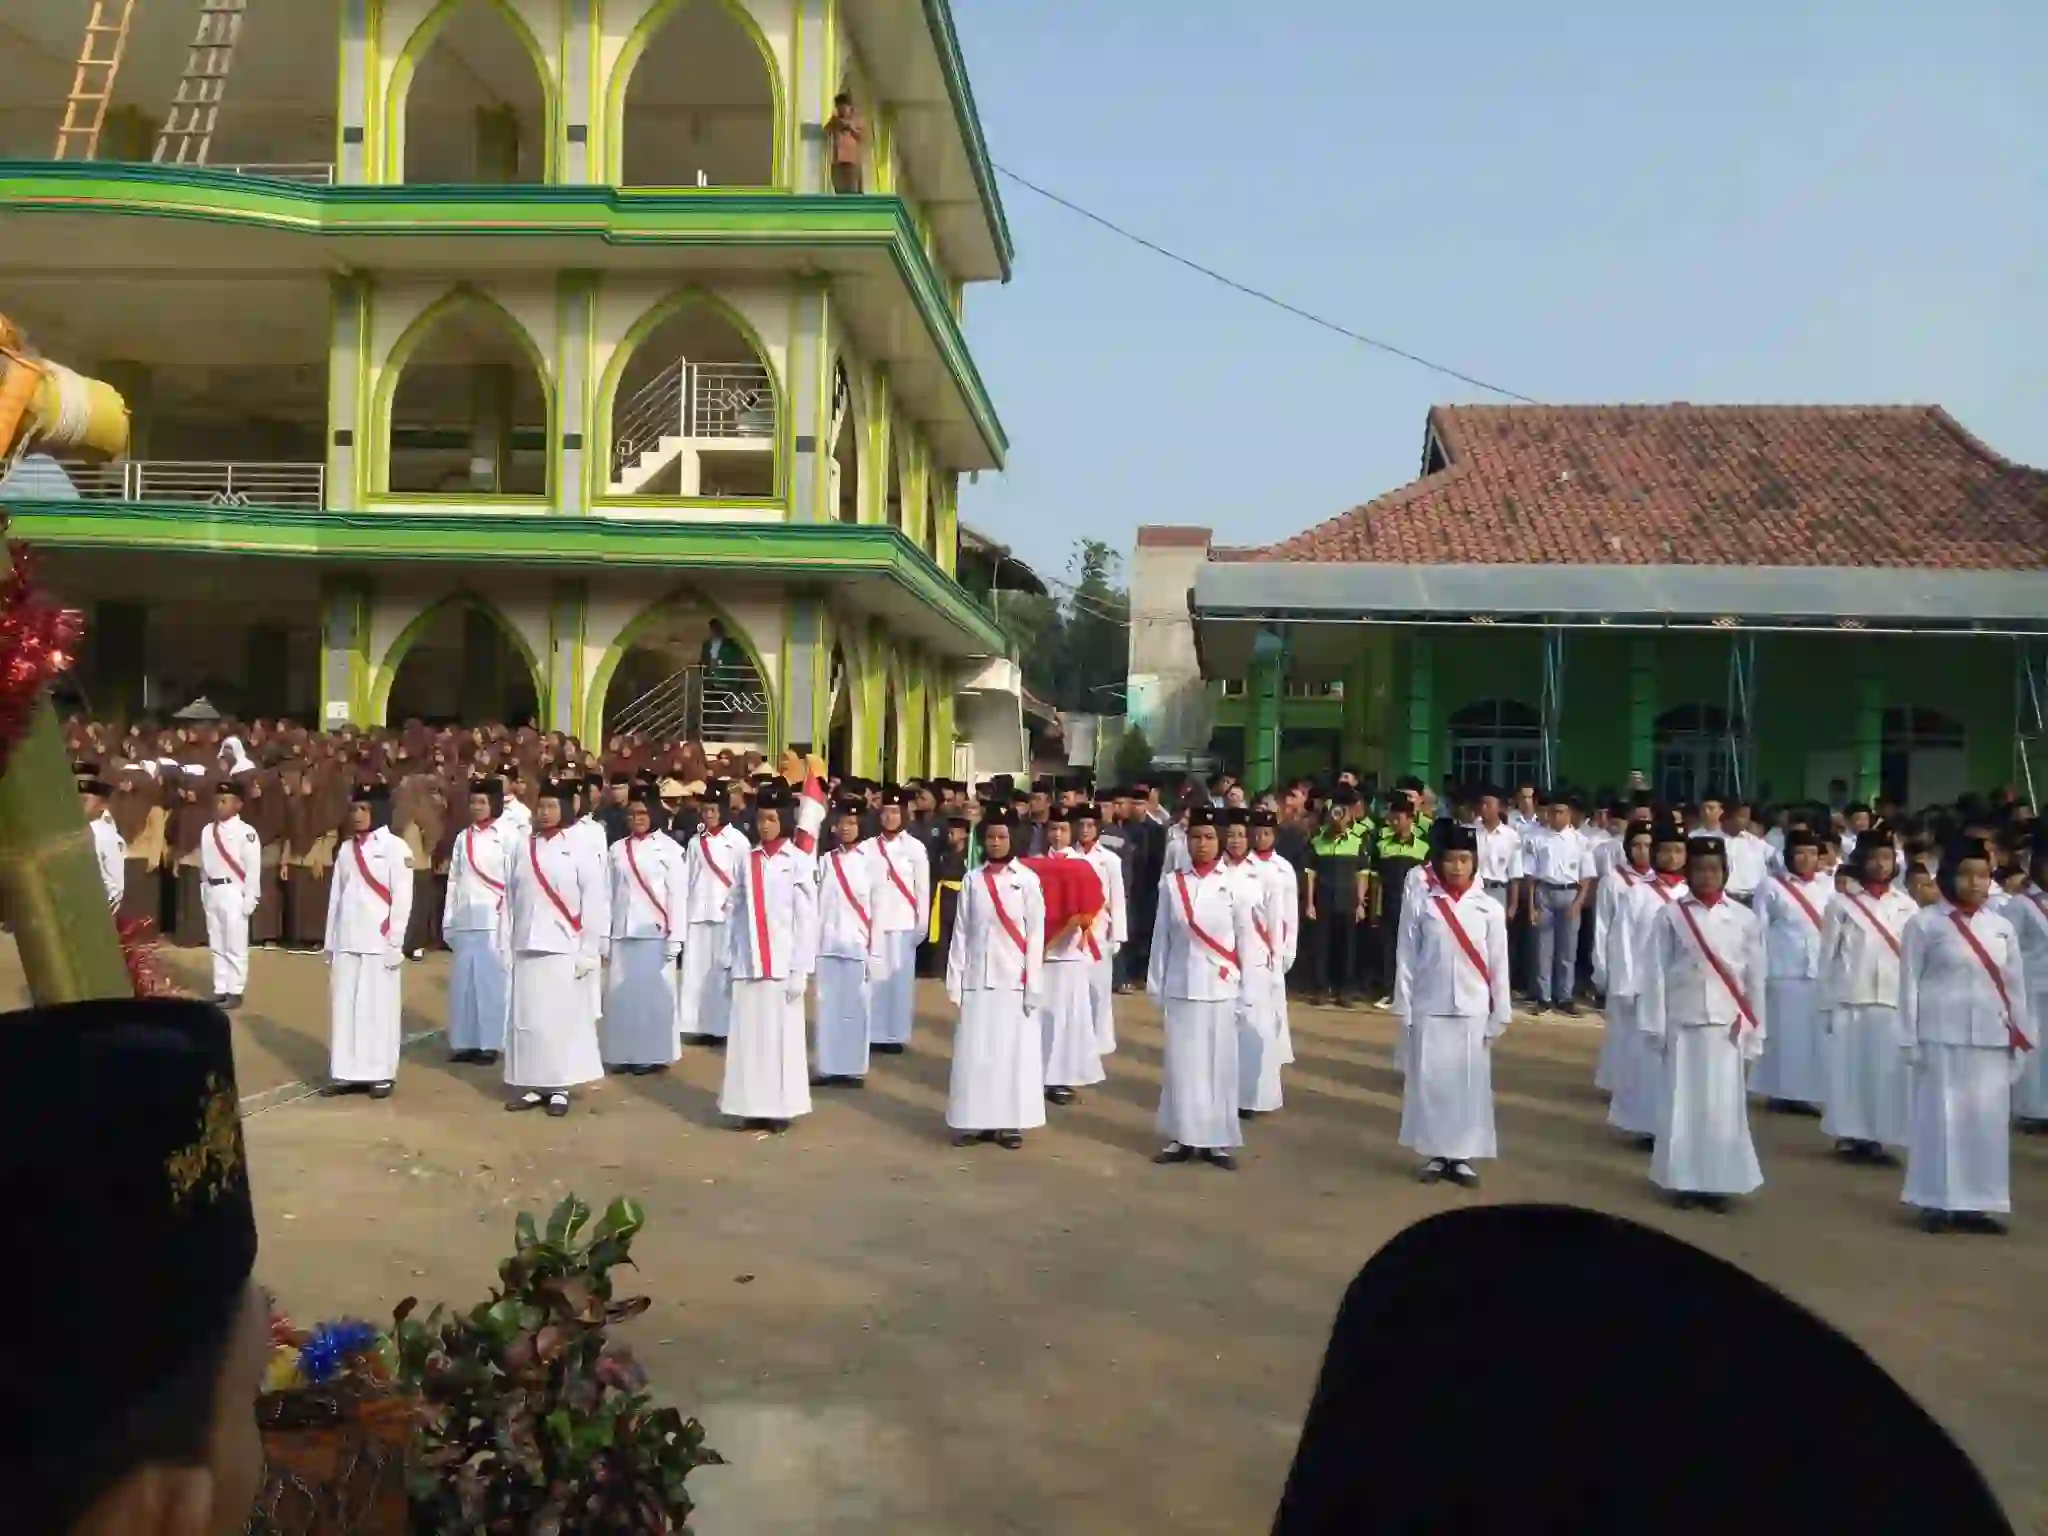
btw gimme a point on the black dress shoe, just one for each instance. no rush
(463, 1058)
(1219, 1158)
(1433, 1171)
(1173, 1152)
(1934, 1221)
(485, 1058)
(381, 1090)
(233, 1002)
(889, 1048)
(1980, 1222)
(1059, 1096)
(1718, 1204)
(340, 1090)
(1570, 1010)
(558, 1105)
(525, 1101)
(1009, 1141)
(1684, 1200)
(966, 1138)
(776, 1127)
(1461, 1174)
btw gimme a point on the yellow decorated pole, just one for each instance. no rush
(50, 890)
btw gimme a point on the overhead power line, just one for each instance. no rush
(1261, 295)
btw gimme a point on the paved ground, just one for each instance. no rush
(887, 1335)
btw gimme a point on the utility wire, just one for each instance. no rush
(1260, 294)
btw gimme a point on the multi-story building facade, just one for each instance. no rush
(500, 347)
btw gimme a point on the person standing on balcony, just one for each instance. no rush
(718, 649)
(366, 919)
(704, 992)
(845, 135)
(903, 910)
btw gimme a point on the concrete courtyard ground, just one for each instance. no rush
(884, 1334)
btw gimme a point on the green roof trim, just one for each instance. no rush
(618, 217)
(938, 15)
(791, 551)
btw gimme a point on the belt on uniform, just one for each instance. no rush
(223, 880)
(1495, 885)
(1559, 885)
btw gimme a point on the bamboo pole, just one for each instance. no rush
(50, 890)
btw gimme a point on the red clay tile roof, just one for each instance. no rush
(1901, 486)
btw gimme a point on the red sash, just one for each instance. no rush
(764, 944)
(853, 901)
(2013, 1037)
(221, 848)
(1663, 891)
(712, 864)
(995, 895)
(1797, 895)
(1745, 1014)
(1628, 876)
(882, 847)
(646, 890)
(377, 888)
(469, 857)
(1450, 915)
(574, 921)
(1228, 957)
(1871, 917)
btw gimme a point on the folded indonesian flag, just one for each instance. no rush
(810, 813)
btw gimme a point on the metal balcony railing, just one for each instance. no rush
(694, 400)
(197, 482)
(309, 173)
(704, 704)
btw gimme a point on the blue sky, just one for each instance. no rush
(1598, 202)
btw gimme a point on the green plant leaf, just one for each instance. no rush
(525, 1233)
(567, 1220)
(622, 1220)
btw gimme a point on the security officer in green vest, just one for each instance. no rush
(1333, 895)
(1399, 847)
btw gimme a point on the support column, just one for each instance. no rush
(1553, 702)
(353, 166)
(561, 694)
(1262, 688)
(137, 385)
(345, 650)
(811, 93)
(1870, 693)
(1642, 709)
(870, 662)
(579, 104)
(802, 722)
(576, 307)
(1419, 707)
(490, 446)
(348, 331)
(808, 393)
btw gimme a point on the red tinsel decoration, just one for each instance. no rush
(145, 966)
(37, 639)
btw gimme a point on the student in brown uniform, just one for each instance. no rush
(263, 809)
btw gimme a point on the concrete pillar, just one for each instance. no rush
(490, 444)
(347, 453)
(357, 88)
(1263, 686)
(345, 650)
(869, 661)
(561, 688)
(1419, 709)
(576, 478)
(1870, 705)
(1642, 708)
(801, 717)
(807, 396)
(137, 385)
(497, 146)
(811, 94)
(579, 108)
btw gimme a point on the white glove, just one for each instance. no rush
(1116, 947)
(604, 947)
(586, 966)
(327, 957)
(393, 959)
(953, 996)
(794, 987)
(2016, 1065)
(671, 953)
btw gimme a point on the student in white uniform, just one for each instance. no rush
(1286, 881)
(231, 885)
(1869, 1091)
(1638, 1065)
(1203, 928)
(1066, 1014)
(480, 985)
(638, 1032)
(846, 952)
(553, 900)
(2027, 910)
(995, 976)
(1792, 906)
(704, 989)
(1963, 1015)
(1265, 968)
(1561, 876)
(1500, 852)
(1610, 904)
(109, 848)
(1112, 930)
(1451, 995)
(903, 910)
(590, 837)
(771, 947)
(1702, 1003)
(1749, 856)
(367, 910)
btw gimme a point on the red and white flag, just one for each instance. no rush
(810, 813)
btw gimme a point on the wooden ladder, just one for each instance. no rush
(92, 86)
(196, 109)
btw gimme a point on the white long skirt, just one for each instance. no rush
(551, 1036)
(363, 998)
(1613, 1042)
(893, 994)
(998, 1081)
(1198, 1090)
(1703, 1144)
(766, 1074)
(639, 1024)
(1447, 1100)
(704, 990)
(1870, 1087)
(2030, 1093)
(1066, 1021)
(1638, 1071)
(1258, 1045)
(1794, 1064)
(479, 992)
(1286, 1028)
(843, 1002)
(1961, 1157)
(1102, 1001)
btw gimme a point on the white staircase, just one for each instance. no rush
(683, 412)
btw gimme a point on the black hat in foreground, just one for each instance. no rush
(1452, 837)
(998, 815)
(1504, 1315)
(124, 1208)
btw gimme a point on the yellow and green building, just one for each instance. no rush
(500, 346)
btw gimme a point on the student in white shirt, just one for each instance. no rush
(480, 985)
(1792, 1074)
(1749, 856)
(648, 909)
(2027, 910)
(1560, 875)
(995, 976)
(231, 875)
(847, 951)
(771, 947)
(1868, 1088)
(109, 849)
(367, 912)
(1500, 854)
